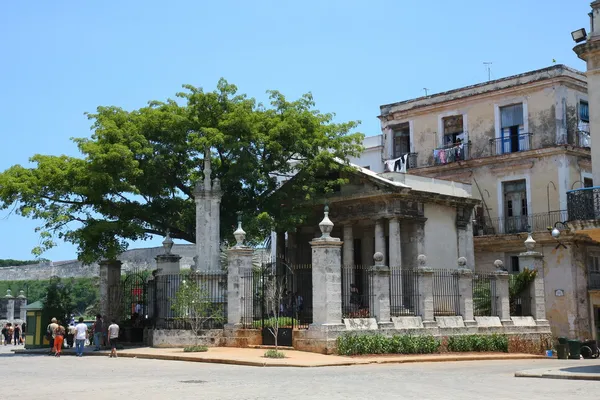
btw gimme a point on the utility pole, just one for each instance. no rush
(425, 89)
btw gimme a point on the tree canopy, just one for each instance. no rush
(137, 171)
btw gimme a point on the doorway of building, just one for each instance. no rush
(515, 207)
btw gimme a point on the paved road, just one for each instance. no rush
(103, 378)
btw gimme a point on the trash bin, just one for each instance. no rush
(561, 351)
(574, 349)
(562, 340)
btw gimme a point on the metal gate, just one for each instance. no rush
(134, 306)
(277, 300)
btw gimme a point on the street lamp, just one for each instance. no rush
(555, 232)
(579, 35)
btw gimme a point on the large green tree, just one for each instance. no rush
(137, 172)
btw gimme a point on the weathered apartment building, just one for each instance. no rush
(522, 142)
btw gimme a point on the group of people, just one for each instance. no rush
(12, 334)
(291, 304)
(78, 333)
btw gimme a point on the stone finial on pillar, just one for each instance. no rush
(425, 287)
(499, 265)
(168, 243)
(380, 284)
(9, 294)
(326, 276)
(21, 294)
(239, 233)
(465, 290)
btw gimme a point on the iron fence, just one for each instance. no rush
(404, 292)
(197, 300)
(583, 204)
(511, 144)
(525, 223)
(277, 289)
(484, 294)
(357, 291)
(445, 293)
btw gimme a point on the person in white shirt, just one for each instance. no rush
(113, 336)
(81, 334)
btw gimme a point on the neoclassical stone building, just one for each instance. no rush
(393, 213)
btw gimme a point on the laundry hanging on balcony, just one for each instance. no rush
(452, 154)
(396, 165)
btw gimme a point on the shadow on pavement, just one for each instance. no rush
(588, 369)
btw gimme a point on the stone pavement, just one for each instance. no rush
(34, 377)
(589, 370)
(294, 358)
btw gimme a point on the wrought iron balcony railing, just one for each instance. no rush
(510, 225)
(511, 144)
(450, 154)
(583, 204)
(411, 161)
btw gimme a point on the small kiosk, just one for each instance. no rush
(36, 328)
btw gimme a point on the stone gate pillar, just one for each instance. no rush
(425, 287)
(10, 306)
(465, 290)
(110, 288)
(23, 306)
(380, 282)
(239, 282)
(534, 261)
(168, 268)
(502, 302)
(327, 276)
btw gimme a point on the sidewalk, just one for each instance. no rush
(294, 358)
(588, 372)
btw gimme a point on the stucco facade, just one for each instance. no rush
(522, 142)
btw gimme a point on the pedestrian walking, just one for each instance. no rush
(113, 337)
(98, 330)
(59, 339)
(17, 335)
(50, 333)
(80, 337)
(5, 334)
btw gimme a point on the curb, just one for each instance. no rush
(296, 365)
(550, 375)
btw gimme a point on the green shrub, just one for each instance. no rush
(284, 322)
(274, 354)
(478, 343)
(352, 344)
(195, 349)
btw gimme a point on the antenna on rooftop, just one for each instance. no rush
(488, 66)
(426, 90)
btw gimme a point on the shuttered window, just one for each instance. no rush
(584, 111)
(511, 115)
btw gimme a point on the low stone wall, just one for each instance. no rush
(211, 338)
(525, 335)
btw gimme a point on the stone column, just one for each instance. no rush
(239, 282)
(292, 239)
(425, 292)
(589, 51)
(348, 247)
(502, 297)
(465, 290)
(10, 306)
(420, 236)
(534, 261)
(380, 282)
(367, 250)
(380, 239)
(22, 309)
(326, 276)
(110, 288)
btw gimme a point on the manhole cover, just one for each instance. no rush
(193, 381)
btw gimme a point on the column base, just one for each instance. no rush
(385, 325)
(507, 322)
(327, 327)
(233, 326)
(430, 324)
(542, 322)
(470, 323)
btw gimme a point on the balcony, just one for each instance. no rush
(411, 162)
(511, 144)
(510, 225)
(450, 154)
(594, 280)
(584, 204)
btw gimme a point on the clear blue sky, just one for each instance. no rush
(60, 59)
